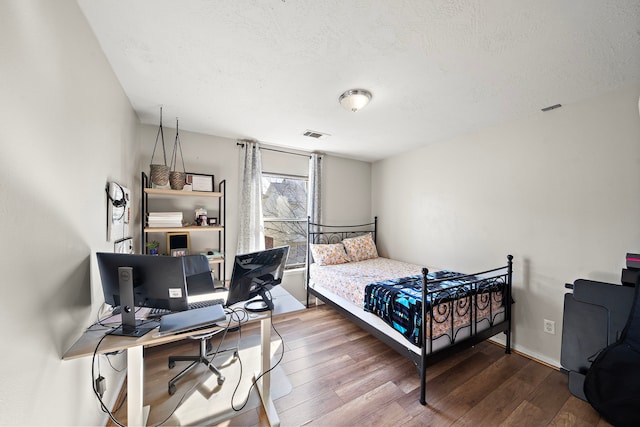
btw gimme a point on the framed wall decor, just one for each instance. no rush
(178, 241)
(200, 182)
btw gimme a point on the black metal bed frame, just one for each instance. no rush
(493, 284)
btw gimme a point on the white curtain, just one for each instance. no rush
(314, 201)
(251, 228)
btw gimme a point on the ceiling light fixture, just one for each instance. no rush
(355, 99)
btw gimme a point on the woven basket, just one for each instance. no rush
(160, 175)
(176, 180)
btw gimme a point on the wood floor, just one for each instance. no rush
(343, 376)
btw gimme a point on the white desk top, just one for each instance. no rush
(283, 303)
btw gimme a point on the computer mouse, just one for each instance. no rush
(210, 253)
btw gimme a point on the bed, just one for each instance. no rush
(384, 296)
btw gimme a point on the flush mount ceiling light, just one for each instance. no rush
(355, 99)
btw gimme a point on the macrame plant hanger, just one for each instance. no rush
(177, 178)
(159, 172)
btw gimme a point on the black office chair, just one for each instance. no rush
(198, 275)
(202, 357)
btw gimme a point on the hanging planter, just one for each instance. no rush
(177, 178)
(159, 172)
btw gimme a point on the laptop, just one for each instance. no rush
(189, 320)
(179, 295)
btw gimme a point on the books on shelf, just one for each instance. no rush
(164, 219)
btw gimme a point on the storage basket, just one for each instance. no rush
(159, 173)
(177, 179)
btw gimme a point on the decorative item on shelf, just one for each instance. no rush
(179, 241)
(153, 247)
(201, 217)
(159, 172)
(179, 252)
(177, 178)
(213, 255)
(200, 182)
(212, 221)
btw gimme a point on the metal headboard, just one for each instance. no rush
(325, 234)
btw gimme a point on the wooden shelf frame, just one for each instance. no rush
(169, 193)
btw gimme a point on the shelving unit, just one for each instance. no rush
(216, 230)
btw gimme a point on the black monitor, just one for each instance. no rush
(254, 274)
(133, 280)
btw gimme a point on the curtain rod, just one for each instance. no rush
(277, 151)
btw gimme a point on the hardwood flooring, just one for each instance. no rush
(342, 376)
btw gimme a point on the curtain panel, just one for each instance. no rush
(251, 226)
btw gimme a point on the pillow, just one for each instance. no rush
(329, 254)
(360, 248)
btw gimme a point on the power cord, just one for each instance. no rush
(255, 381)
(233, 315)
(239, 315)
(95, 387)
(97, 383)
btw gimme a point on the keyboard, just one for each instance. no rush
(157, 312)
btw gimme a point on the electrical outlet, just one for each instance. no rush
(550, 326)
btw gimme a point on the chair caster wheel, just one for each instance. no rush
(171, 364)
(235, 354)
(221, 380)
(172, 389)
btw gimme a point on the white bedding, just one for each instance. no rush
(349, 280)
(344, 284)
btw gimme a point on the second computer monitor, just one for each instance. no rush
(255, 273)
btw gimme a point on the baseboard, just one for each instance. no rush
(539, 359)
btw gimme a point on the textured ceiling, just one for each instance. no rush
(271, 69)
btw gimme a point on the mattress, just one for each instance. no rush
(349, 280)
(457, 312)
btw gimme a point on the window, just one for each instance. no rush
(284, 211)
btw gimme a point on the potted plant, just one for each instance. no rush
(153, 247)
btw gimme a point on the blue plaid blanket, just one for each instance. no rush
(399, 301)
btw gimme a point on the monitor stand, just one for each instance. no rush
(264, 303)
(130, 326)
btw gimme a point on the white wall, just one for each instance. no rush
(67, 129)
(346, 196)
(346, 184)
(558, 190)
(202, 154)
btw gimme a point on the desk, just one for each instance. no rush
(86, 344)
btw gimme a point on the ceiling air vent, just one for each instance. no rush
(315, 134)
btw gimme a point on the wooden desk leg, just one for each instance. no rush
(136, 413)
(263, 385)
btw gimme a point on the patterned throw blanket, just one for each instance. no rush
(399, 301)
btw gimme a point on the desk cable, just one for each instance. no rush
(254, 382)
(93, 384)
(240, 316)
(103, 407)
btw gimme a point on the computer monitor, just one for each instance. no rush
(255, 274)
(133, 280)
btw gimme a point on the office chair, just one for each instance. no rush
(200, 358)
(198, 276)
